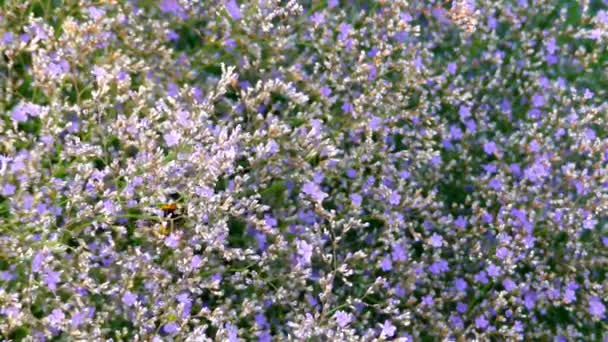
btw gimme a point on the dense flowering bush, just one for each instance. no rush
(303, 170)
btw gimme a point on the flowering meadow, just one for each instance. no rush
(311, 170)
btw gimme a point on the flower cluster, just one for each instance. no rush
(333, 170)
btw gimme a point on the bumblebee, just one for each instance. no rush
(173, 215)
(162, 230)
(169, 210)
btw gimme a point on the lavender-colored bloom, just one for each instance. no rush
(436, 240)
(347, 107)
(493, 270)
(461, 284)
(439, 267)
(314, 191)
(56, 317)
(171, 139)
(502, 253)
(356, 200)
(455, 132)
(264, 336)
(129, 298)
(170, 328)
(597, 309)
(172, 241)
(318, 18)
(464, 112)
(78, 318)
(37, 261)
(481, 322)
(388, 329)
(8, 38)
(51, 279)
(538, 100)
(172, 6)
(394, 198)
(490, 147)
(305, 251)
(452, 67)
(326, 92)
(471, 126)
(343, 318)
(233, 9)
(428, 300)
(8, 189)
(386, 264)
(375, 123)
(398, 254)
(530, 299)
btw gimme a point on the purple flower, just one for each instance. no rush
(375, 123)
(569, 296)
(317, 18)
(388, 329)
(343, 318)
(394, 198)
(326, 92)
(18, 114)
(356, 200)
(51, 279)
(464, 112)
(172, 138)
(471, 126)
(428, 300)
(452, 67)
(490, 148)
(260, 320)
(170, 328)
(481, 322)
(538, 100)
(589, 223)
(347, 107)
(56, 317)
(304, 251)
(8, 189)
(8, 38)
(461, 284)
(270, 221)
(386, 264)
(77, 319)
(495, 184)
(436, 240)
(439, 267)
(455, 132)
(129, 298)
(196, 262)
(173, 7)
(264, 336)
(461, 307)
(461, 222)
(172, 241)
(493, 270)
(530, 299)
(233, 9)
(502, 253)
(398, 253)
(314, 191)
(95, 13)
(597, 309)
